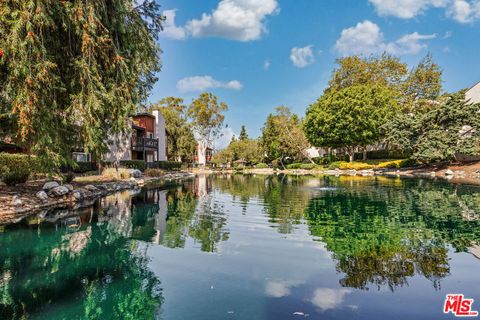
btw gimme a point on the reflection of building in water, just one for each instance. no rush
(118, 209)
(202, 185)
(161, 216)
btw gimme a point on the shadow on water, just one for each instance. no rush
(93, 263)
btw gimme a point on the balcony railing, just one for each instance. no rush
(140, 144)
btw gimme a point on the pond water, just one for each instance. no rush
(246, 247)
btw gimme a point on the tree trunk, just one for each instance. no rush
(364, 153)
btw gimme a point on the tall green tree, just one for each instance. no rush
(449, 128)
(180, 138)
(351, 117)
(423, 85)
(243, 133)
(282, 136)
(207, 116)
(385, 70)
(71, 72)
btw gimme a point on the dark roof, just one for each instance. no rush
(144, 114)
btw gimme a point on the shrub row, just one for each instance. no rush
(16, 168)
(129, 164)
(303, 166)
(165, 165)
(154, 172)
(343, 165)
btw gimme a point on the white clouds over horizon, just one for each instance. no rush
(302, 57)
(462, 11)
(367, 38)
(202, 83)
(241, 20)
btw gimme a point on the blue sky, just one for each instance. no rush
(259, 54)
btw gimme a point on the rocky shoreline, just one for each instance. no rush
(54, 195)
(456, 175)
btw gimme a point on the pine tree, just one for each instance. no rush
(71, 72)
(243, 134)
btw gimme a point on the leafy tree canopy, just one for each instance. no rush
(71, 72)
(180, 138)
(206, 114)
(448, 128)
(282, 135)
(350, 117)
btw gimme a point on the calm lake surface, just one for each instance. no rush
(246, 247)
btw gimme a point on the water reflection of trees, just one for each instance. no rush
(384, 231)
(283, 198)
(381, 231)
(90, 272)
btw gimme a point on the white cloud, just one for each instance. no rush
(463, 11)
(242, 20)
(405, 9)
(302, 57)
(202, 83)
(266, 64)
(280, 289)
(170, 29)
(367, 38)
(224, 140)
(325, 298)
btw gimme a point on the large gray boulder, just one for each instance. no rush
(42, 195)
(50, 185)
(135, 173)
(58, 191)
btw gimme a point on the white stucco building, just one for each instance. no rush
(473, 94)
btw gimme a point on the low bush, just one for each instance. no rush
(293, 166)
(396, 164)
(355, 166)
(308, 166)
(343, 165)
(133, 164)
(165, 165)
(261, 166)
(111, 173)
(82, 167)
(16, 168)
(154, 172)
(335, 165)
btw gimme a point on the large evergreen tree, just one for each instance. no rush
(71, 72)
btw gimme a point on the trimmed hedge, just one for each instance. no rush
(261, 166)
(167, 165)
(16, 168)
(133, 164)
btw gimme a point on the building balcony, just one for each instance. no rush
(147, 144)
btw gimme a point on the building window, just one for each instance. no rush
(81, 157)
